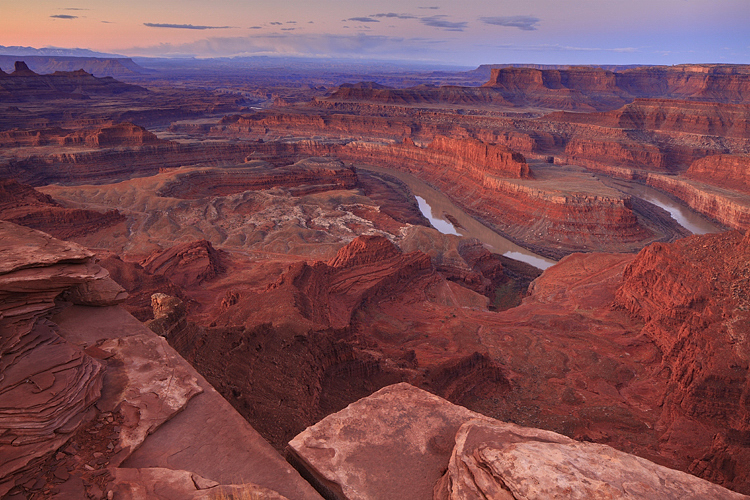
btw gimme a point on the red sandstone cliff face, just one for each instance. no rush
(110, 164)
(694, 298)
(23, 205)
(572, 89)
(656, 134)
(603, 88)
(727, 171)
(625, 153)
(480, 158)
(121, 134)
(730, 209)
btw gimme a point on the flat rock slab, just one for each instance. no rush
(207, 438)
(166, 484)
(394, 444)
(499, 460)
(398, 442)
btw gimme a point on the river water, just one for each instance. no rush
(685, 216)
(434, 205)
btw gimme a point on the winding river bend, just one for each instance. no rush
(685, 216)
(434, 205)
(448, 218)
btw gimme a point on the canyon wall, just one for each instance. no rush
(693, 297)
(708, 82)
(730, 209)
(726, 171)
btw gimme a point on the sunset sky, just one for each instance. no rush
(467, 32)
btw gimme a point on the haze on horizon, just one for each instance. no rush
(465, 33)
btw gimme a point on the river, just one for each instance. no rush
(435, 204)
(685, 216)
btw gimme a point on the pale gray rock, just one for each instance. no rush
(404, 443)
(500, 460)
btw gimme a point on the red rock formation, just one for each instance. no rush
(623, 153)
(121, 134)
(188, 264)
(729, 208)
(694, 298)
(480, 159)
(727, 171)
(23, 205)
(600, 88)
(307, 176)
(109, 164)
(25, 85)
(48, 385)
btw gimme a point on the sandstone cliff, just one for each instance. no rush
(693, 297)
(726, 171)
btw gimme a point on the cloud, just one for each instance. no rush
(64, 16)
(359, 46)
(526, 23)
(288, 29)
(108, 22)
(440, 22)
(184, 26)
(276, 23)
(255, 27)
(568, 48)
(430, 8)
(362, 19)
(394, 15)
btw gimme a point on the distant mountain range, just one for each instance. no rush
(17, 50)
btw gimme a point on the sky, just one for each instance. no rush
(452, 32)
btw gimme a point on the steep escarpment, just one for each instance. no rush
(24, 85)
(726, 171)
(731, 208)
(601, 88)
(109, 164)
(693, 298)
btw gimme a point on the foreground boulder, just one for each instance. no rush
(403, 442)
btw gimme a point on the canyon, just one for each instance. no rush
(267, 244)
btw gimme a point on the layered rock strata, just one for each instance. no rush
(23, 205)
(48, 385)
(725, 171)
(86, 389)
(694, 297)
